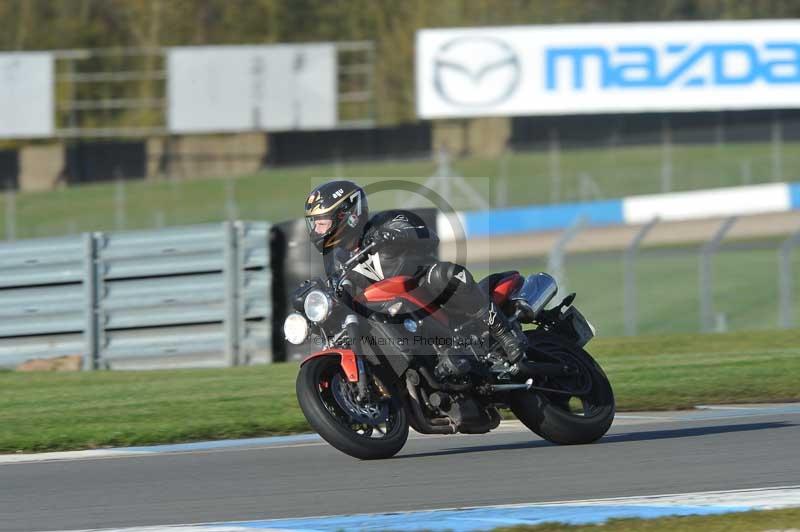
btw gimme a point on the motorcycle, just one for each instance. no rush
(380, 369)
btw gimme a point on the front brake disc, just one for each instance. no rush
(370, 413)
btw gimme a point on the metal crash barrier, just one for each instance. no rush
(194, 296)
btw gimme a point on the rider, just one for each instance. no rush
(337, 217)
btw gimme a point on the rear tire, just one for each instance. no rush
(549, 414)
(329, 420)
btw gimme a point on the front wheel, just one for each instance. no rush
(367, 431)
(579, 408)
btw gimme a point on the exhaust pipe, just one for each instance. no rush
(527, 385)
(419, 416)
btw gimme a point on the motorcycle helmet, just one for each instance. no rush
(336, 214)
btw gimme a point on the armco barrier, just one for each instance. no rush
(185, 296)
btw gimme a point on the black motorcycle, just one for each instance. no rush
(391, 359)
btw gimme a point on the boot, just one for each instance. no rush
(510, 338)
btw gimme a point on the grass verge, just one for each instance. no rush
(773, 520)
(62, 411)
(277, 194)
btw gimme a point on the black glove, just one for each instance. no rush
(379, 238)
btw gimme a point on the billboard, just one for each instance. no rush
(245, 88)
(26, 95)
(607, 68)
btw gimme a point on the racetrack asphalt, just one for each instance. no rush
(643, 454)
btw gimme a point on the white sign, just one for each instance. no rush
(26, 95)
(241, 88)
(605, 68)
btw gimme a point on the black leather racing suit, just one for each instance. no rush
(412, 252)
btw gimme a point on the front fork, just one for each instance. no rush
(362, 378)
(351, 325)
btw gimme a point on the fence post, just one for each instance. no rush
(719, 131)
(587, 187)
(555, 260)
(555, 166)
(231, 207)
(159, 219)
(706, 278)
(631, 320)
(501, 189)
(91, 285)
(785, 281)
(120, 218)
(11, 214)
(666, 156)
(747, 171)
(233, 292)
(777, 147)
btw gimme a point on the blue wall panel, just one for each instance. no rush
(794, 195)
(541, 218)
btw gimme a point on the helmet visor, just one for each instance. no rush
(319, 226)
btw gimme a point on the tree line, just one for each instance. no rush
(390, 24)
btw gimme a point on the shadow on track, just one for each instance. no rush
(616, 438)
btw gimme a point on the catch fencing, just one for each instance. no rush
(721, 277)
(194, 296)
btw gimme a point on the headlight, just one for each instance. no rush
(295, 328)
(317, 306)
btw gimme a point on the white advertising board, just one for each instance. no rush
(26, 95)
(607, 68)
(245, 88)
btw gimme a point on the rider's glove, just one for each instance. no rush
(379, 238)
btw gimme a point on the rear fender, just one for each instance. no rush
(347, 359)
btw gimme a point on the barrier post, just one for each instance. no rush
(91, 336)
(777, 147)
(785, 280)
(706, 278)
(120, 218)
(555, 261)
(233, 293)
(555, 166)
(666, 156)
(11, 214)
(631, 315)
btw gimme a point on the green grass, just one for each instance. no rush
(681, 371)
(734, 522)
(60, 411)
(277, 194)
(49, 411)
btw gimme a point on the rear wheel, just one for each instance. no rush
(368, 431)
(579, 408)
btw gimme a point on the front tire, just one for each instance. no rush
(551, 415)
(324, 396)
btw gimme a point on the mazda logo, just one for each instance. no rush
(476, 71)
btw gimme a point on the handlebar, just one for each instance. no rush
(357, 256)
